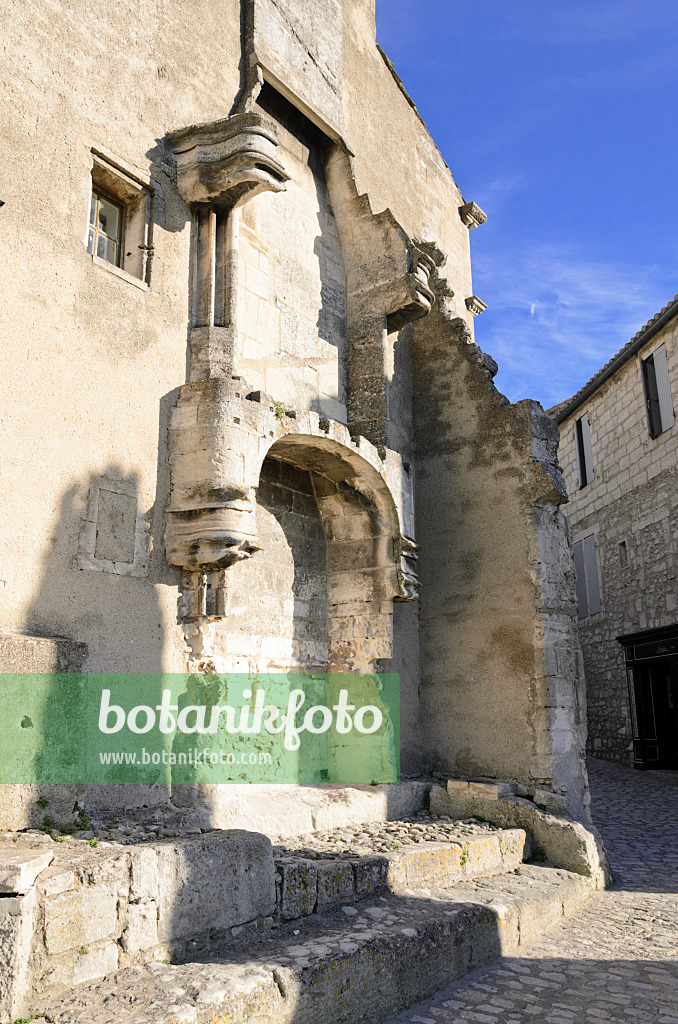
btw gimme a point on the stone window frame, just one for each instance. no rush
(86, 556)
(135, 194)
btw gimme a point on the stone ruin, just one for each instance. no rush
(336, 485)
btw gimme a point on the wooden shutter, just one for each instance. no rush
(581, 472)
(651, 397)
(592, 587)
(586, 444)
(661, 371)
(580, 579)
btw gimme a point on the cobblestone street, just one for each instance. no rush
(617, 959)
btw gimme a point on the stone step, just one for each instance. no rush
(306, 886)
(361, 963)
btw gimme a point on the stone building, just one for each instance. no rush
(246, 424)
(619, 453)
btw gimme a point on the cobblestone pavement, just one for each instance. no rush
(617, 959)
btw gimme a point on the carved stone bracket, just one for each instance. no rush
(472, 215)
(475, 305)
(220, 166)
(227, 161)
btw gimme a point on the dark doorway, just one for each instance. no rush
(652, 670)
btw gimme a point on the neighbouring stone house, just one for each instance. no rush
(619, 453)
(246, 425)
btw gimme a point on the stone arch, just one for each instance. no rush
(362, 534)
(219, 438)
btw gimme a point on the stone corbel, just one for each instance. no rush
(472, 215)
(228, 161)
(210, 518)
(475, 305)
(220, 166)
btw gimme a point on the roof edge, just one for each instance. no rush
(641, 338)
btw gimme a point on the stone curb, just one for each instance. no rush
(565, 843)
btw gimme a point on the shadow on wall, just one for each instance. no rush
(97, 586)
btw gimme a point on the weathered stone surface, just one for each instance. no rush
(144, 882)
(53, 885)
(299, 888)
(73, 919)
(280, 811)
(338, 968)
(566, 843)
(141, 930)
(20, 868)
(490, 790)
(213, 884)
(17, 924)
(336, 884)
(95, 962)
(371, 875)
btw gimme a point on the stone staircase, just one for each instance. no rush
(213, 926)
(360, 963)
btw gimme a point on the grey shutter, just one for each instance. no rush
(588, 451)
(580, 580)
(661, 370)
(592, 587)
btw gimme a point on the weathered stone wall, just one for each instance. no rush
(292, 286)
(278, 605)
(96, 357)
(632, 498)
(501, 686)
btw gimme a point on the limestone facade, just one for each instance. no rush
(262, 437)
(627, 514)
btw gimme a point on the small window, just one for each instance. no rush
(582, 439)
(657, 386)
(119, 229)
(586, 576)
(623, 555)
(105, 228)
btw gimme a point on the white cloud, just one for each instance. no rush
(555, 317)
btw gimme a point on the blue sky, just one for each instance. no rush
(558, 117)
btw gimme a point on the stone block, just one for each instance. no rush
(484, 855)
(299, 888)
(396, 872)
(20, 868)
(552, 802)
(459, 787)
(214, 883)
(433, 865)
(490, 790)
(335, 883)
(73, 919)
(370, 875)
(53, 885)
(515, 847)
(141, 930)
(17, 923)
(144, 885)
(95, 963)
